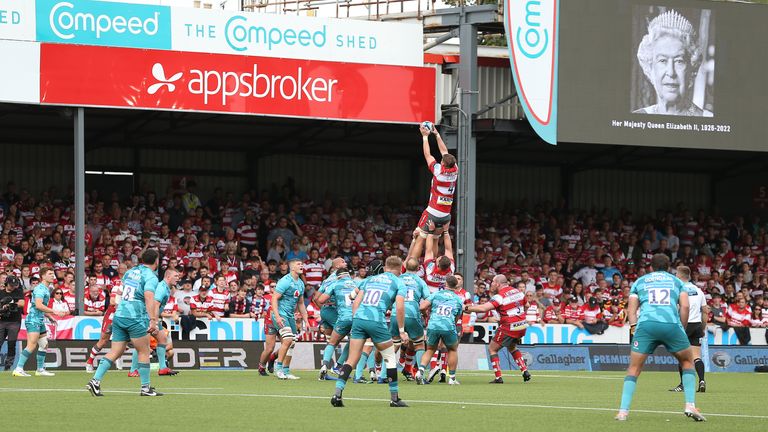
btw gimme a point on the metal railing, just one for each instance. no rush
(372, 9)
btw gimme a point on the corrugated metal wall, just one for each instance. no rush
(341, 177)
(493, 83)
(109, 157)
(501, 183)
(36, 167)
(641, 191)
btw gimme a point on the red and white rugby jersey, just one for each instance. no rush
(314, 272)
(434, 277)
(591, 315)
(552, 290)
(6, 253)
(573, 314)
(95, 305)
(219, 302)
(442, 189)
(510, 304)
(116, 293)
(247, 233)
(739, 317)
(171, 306)
(200, 304)
(532, 313)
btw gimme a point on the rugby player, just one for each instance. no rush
(416, 291)
(444, 176)
(37, 334)
(446, 308)
(509, 302)
(106, 326)
(376, 296)
(288, 295)
(135, 319)
(663, 303)
(695, 327)
(342, 291)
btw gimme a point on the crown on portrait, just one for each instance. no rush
(670, 20)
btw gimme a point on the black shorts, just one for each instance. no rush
(694, 331)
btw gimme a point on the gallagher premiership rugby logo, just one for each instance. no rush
(721, 359)
(531, 28)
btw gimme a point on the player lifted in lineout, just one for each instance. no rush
(442, 189)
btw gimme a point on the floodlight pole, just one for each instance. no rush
(467, 153)
(79, 209)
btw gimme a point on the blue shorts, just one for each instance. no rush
(650, 334)
(364, 329)
(413, 327)
(449, 338)
(274, 329)
(343, 327)
(35, 327)
(125, 329)
(328, 317)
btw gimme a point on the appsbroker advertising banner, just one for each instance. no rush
(185, 81)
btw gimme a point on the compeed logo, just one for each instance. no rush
(104, 23)
(721, 359)
(531, 28)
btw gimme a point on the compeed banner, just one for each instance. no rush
(532, 38)
(104, 23)
(186, 81)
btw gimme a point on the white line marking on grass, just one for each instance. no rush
(433, 402)
(535, 375)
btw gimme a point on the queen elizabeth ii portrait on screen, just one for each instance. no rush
(676, 62)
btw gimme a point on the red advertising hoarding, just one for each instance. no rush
(153, 79)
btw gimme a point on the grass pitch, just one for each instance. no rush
(243, 400)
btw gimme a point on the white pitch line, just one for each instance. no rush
(433, 402)
(535, 375)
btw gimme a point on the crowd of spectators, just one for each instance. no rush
(575, 266)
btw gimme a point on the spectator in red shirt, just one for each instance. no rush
(553, 314)
(95, 301)
(573, 313)
(592, 314)
(200, 306)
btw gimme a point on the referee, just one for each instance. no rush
(11, 304)
(695, 327)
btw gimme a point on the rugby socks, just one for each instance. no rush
(273, 356)
(143, 373)
(41, 359)
(699, 365)
(630, 382)
(409, 359)
(518, 356)
(23, 358)
(689, 386)
(433, 362)
(286, 369)
(417, 358)
(328, 355)
(443, 360)
(344, 355)
(496, 365)
(680, 371)
(372, 361)
(393, 387)
(452, 374)
(360, 366)
(341, 383)
(278, 366)
(92, 355)
(135, 360)
(401, 360)
(161, 356)
(104, 366)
